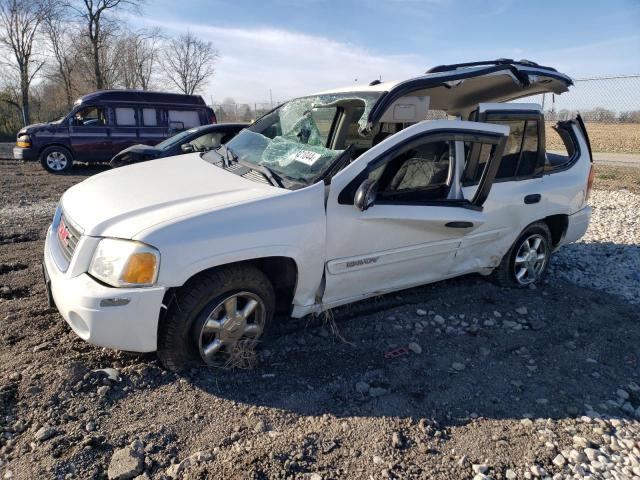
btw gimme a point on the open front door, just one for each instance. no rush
(408, 232)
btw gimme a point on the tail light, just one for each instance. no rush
(23, 141)
(212, 116)
(592, 176)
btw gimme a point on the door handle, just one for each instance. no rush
(459, 225)
(533, 198)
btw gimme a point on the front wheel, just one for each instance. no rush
(527, 260)
(56, 159)
(215, 318)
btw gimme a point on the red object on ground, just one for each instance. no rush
(396, 352)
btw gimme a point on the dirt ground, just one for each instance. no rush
(480, 362)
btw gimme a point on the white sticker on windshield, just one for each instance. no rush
(307, 157)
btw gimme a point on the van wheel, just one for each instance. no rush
(213, 316)
(56, 159)
(527, 260)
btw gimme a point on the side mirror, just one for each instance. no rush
(366, 194)
(187, 148)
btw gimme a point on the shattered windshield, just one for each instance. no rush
(301, 139)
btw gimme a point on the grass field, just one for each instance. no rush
(605, 137)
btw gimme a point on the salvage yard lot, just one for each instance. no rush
(511, 381)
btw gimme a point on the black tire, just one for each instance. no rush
(180, 327)
(505, 274)
(56, 159)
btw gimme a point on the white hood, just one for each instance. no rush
(125, 201)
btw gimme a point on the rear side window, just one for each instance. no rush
(125, 117)
(149, 117)
(521, 152)
(188, 118)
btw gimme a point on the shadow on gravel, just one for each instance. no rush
(565, 351)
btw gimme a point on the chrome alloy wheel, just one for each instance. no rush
(238, 318)
(57, 161)
(531, 259)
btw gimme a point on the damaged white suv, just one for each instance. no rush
(326, 200)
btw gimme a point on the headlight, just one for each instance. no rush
(23, 141)
(125, 263)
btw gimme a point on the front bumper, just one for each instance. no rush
(121, 318)
(20, 153)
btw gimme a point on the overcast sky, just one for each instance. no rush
(296, 47)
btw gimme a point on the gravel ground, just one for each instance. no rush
(489, 383)
(608, 257)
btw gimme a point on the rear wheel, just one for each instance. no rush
(215, 317)
(56, 159)
(527, 260)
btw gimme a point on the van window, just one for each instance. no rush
(529, 157)
(149, 117)
(125, 117)
(189, 118)
(89, 117)
(512, 149)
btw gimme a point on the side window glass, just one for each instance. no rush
(206, 142)
(529, 157)
(125, 117)
(149, 117)
(473, 172)
(512, 149)
(420, 173)
(188, 118)
(89, 117)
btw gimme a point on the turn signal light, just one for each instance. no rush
(141, 268)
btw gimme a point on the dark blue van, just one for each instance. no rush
(105, 122)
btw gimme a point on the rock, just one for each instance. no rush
(559, 460)
(591, 454)
(397, 440)
(111, 373)
(537, 471)
(439, 320)
(45, 433)
(420, 312)
(362, 387)
(315, 476)
(522, 310)
(90, 426)
(415, 348)
(623, 394)
(536, 324)
(260, 427)
(527, 422)
(580, 442)
(479, 468)
(489, 323)
(577, 457)
(378, 391)
(377, 460)
(127, 462)
(510, 474)
(102, 391)
(457, 366)
(497, 314)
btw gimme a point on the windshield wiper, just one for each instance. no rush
(273, 177)
(226, 153)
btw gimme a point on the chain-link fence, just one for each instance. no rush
(610, 107)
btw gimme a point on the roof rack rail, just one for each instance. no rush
(499, 61)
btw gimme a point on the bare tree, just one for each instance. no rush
(61, 45)
(19, 24)
(139, 56)
(189, 62)
(98, 28)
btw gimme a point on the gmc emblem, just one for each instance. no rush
(63, 233)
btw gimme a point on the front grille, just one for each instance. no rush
(68, 237)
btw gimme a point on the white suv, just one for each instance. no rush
(326, 200)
